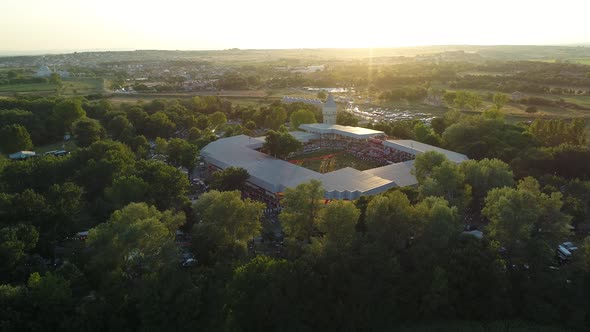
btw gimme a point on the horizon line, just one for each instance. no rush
(9, 53)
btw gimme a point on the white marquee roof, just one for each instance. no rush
(353, 132)
(415, 148)
(274, 175)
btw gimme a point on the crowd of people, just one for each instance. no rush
(367, 150)
(259, 194)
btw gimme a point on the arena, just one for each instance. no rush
(269, 176)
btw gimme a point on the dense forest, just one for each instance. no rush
(399, 260)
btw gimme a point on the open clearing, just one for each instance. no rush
(70, 86)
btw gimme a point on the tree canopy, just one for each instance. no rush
(14, 138)
(300, 117)
(280, 144)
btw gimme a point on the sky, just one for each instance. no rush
(80, 25)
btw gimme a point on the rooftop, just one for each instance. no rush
(353, 132)
(415, 148)
(330, 101)
(275, 175)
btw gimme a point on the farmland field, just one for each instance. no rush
(71, 86)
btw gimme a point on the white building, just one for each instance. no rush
(43, 71)
(275, 175)
(329, 111)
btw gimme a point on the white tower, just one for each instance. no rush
(329, 111)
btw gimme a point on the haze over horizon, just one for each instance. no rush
(34, 26)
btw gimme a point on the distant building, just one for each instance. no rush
(289, 100)
(21, 155)
(44, 71)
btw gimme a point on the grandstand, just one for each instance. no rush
(271, 176)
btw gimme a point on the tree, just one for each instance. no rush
(51, 299)
(300, 117)
(167, 185)
(347, 119)
(581, 259)
(120, 128)
(181, 153)
(257, 294)
(556, 132)
(136, 241)
(322, 95)
(15, 243)
(159, 125)
(493, 113)
(98, 164)
(447, 181)
(140, 146)
(226, 224)
(438, 125)
(302, 212)
(464, 100)
(194, 134)
(87, 131)
(250, 125)
(439, 223)
(500, 100)
(203, 122)
(275, 118)
(217, 119)
(337, 223)
(55, 79)
(472, 263)
(281, 144)
(485, 175)
(518, 215)
(65, 203)
(14, 138)
(67, 112)
(426, 135)
(425, 163)
(231, 178)
(125, 190)
(480, 137)
(391, 222)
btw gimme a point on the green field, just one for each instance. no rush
(70, 86)
(333, 160)
(69, 146)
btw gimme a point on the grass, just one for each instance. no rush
(333, 160)
(583, 61)
(69, 146)
(70, 86)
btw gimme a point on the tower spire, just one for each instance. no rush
(329, 110)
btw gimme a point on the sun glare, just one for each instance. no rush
(180, 24)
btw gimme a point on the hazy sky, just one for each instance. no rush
(42, 25)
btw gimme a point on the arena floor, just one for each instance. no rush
(325, 161)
